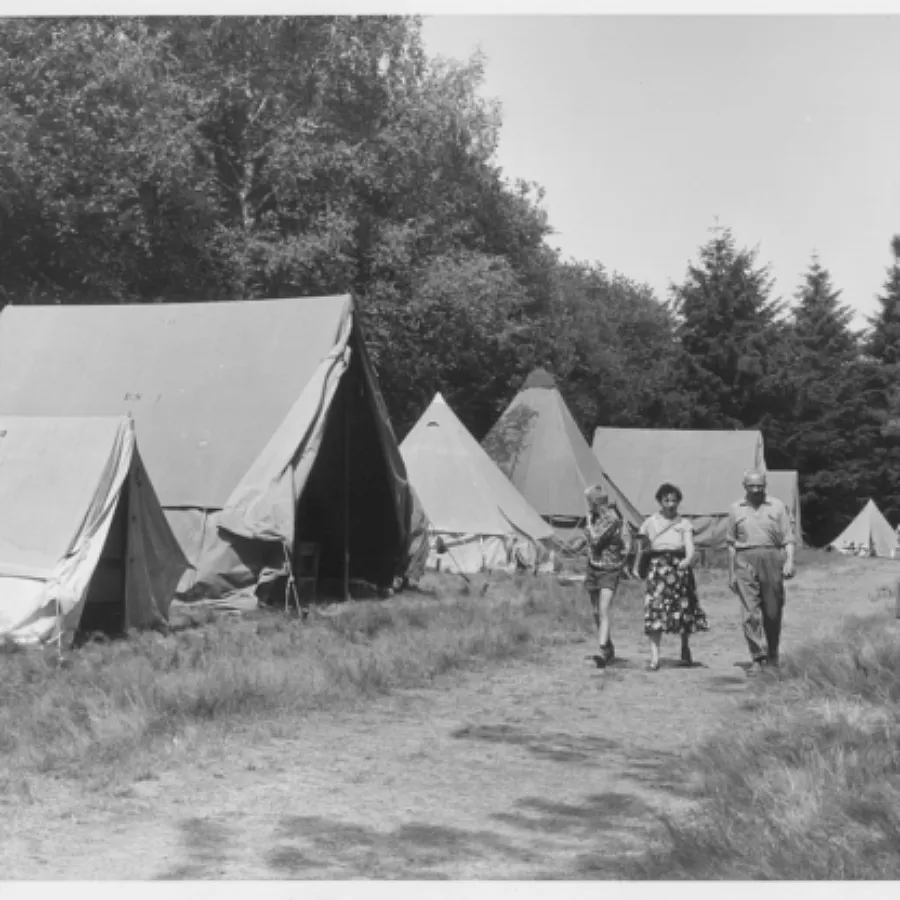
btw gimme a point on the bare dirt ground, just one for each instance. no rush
(546, 769)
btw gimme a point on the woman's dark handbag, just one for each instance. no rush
(643, 543)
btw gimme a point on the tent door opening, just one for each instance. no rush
(347, 505)
(104, 608)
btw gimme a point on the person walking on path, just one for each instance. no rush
(608, 543)
(760, 540)
(670, 600)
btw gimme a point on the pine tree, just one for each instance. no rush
(729, 329)
(838, 431)
(884, 338)
(826, 427)
(821, 323)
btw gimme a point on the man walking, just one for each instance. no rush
(760, 541)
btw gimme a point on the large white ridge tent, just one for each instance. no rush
(708, 467)
(537, 444)
(470, 504)
(83, 540)
(869, 531)
(261, 422)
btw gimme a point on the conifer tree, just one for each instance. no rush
(821, 323)
(823, 378)
(728, 327)
(884, 338)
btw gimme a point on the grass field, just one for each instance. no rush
(802, 781)
(109, 700)
(805, 782)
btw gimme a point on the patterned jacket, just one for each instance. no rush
(609, 541)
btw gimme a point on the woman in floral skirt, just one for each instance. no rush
(670, 602)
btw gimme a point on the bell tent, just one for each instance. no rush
(707, 466)
(869, 534)
(539, 447)
(261, 422)
(471, 505)
(83, 540)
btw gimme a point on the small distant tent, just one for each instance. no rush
(539, 447)
(870, 531)
(707, 466)
(261, 421)
(471, 505)
(83, 540)
(785, 485)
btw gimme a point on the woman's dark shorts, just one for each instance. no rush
(601, 579)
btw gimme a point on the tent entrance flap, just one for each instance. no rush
(85, 544)
(347, 506)
(104, 607)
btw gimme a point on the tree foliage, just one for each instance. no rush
(884, 337)
(203, 159)
(729, 329)
(834, 423)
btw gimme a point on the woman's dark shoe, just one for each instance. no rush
(609, 651)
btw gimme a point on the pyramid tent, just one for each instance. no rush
(785, 485)
(707, 466)
(539, 447)
(469, 502)
(83, 540)
(261, 422)
(869, 530)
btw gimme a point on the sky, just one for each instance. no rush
(645, 131)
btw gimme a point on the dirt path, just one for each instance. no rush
(532, 770)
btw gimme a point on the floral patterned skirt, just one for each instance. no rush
(670, 603)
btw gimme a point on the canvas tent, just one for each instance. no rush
(83, 540)
(470, 504)
(539, 447)
(261, 422)
(708, 467)
(869, 531)
(785, 485)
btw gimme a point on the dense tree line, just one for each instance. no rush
(822, 394)
(148, 160)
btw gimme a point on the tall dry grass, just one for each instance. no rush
(806, 783)
(112, 699)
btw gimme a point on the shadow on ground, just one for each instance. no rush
(561, 747)
(649, 768)
(728, 684)
(622, 825)
(313, 846)
(535, 830)
(205, 844)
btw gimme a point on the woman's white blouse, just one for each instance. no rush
(674, 537)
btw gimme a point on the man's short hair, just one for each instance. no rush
(751, 474)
